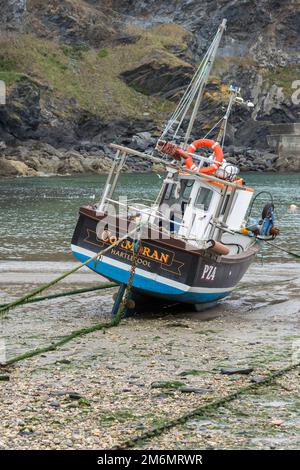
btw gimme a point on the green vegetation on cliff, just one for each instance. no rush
(92, 72)
(92, 76)
(283, 77)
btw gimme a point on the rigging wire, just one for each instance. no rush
(186, 101)
(213, 128)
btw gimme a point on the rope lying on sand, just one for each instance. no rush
(201, 410)
(75, 334)
(106, 285)
(295, 255)
(22, 300)
(84, 331)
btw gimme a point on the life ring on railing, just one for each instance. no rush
(215, 146)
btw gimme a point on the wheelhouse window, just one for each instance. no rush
(175, 201)
(183, 191)
(169, 190)
(186, 188)
(204, 198)
(225, 204)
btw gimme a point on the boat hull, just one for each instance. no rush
(166, 269)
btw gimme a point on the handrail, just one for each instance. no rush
(157, 227)
(171, 165)
(144, 211)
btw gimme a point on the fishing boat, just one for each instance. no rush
(196, 240)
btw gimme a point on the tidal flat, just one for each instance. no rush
(109, 386)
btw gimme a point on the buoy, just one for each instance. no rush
(215, 146)
(244, 231)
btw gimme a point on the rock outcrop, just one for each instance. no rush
(36, 159)
(21, 115)
(73, 22)
(12, 14)
(259, 53)
(159, 79)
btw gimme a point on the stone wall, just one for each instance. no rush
(285, 140)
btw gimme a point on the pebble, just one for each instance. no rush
(74, 396)
(232, 370)
(55, 404)
(194, 390)
(26, 433)
(277, 422)
(257, 379)
(4, 378)
(162, 395)
(61, 393)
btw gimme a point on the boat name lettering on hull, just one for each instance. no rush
(146, 251)
(209, 272)
(129, 257)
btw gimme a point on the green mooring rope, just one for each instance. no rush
(75, 334)
(22, 300)
(106, 285)
(201, 410)
(294, 255)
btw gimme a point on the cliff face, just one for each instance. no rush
(83, 73)
(13, 14)
(267, 24)
(260, 50)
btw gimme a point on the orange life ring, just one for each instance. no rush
(215, 146)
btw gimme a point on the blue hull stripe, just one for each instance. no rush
(150, 286)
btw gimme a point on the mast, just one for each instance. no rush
(206, 72)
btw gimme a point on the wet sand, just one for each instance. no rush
(129, 378)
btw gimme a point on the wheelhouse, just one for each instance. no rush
(198, 209)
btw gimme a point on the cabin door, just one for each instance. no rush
(200, 212)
